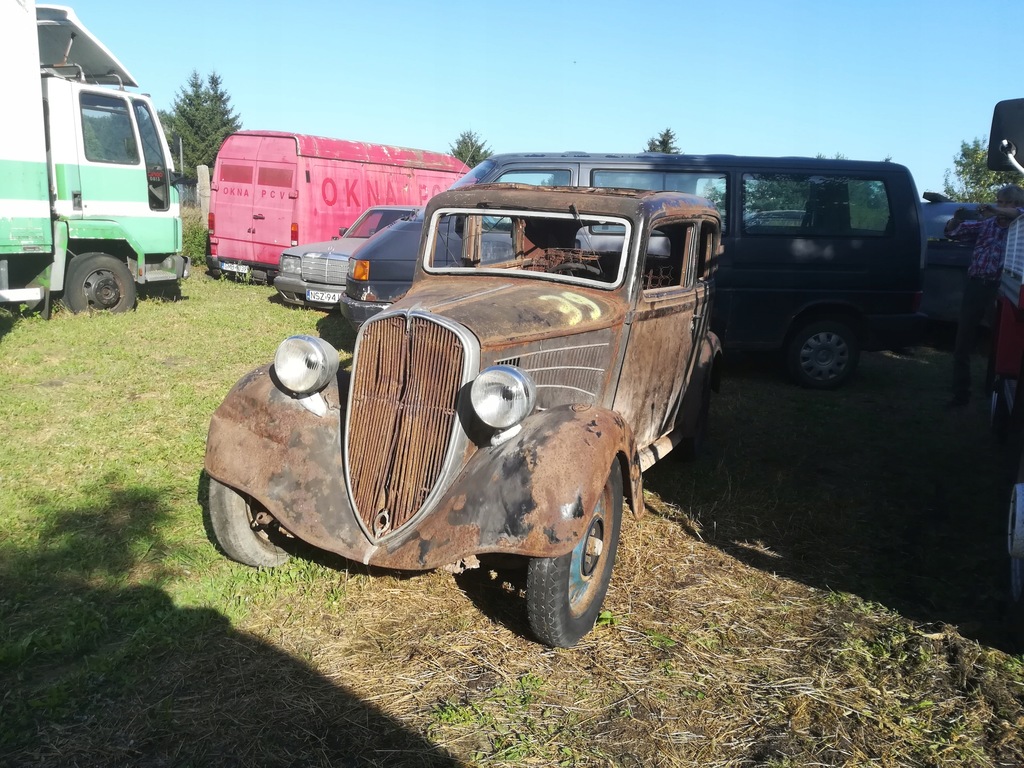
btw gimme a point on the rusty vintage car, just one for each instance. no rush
(553, 346)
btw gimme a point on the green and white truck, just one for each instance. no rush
(87, 209)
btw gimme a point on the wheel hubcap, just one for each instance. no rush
(824, 355)
(102, 290)
(586, 561)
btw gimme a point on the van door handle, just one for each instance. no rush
(258, 216)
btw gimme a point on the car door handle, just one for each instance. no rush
(258, 216)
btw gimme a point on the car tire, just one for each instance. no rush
(564, 594)
(98, 281)
(823, 354)
(233, 520)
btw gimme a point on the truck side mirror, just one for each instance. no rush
(1007, 135)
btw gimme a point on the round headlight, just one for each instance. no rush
(503, 395)
(305, 364)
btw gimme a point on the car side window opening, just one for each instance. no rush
(107, 132)
(669, 261)
(814, 205)
(709, 185)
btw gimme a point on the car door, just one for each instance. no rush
(668, 319)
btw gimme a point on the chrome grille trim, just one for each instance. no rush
(317, 268)
(565, 373)
(403, 436)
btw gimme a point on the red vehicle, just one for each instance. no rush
(273, 190)
(1006, 365)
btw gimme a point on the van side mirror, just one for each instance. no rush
(1006, 138)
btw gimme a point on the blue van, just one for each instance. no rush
(820, 259)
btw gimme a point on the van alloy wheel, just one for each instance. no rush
(564, 594)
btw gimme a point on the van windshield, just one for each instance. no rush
(569, 245)
(476, 175)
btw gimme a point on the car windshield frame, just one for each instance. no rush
(600, 230)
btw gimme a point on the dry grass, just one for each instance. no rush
(823, 588)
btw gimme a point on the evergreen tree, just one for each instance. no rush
(663, 142)
(470, 149)
(201, 118)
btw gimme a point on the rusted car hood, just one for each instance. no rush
(522, 309)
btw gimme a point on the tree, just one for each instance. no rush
(470, 148)
(200, 118)
(971, 180)
(663, 142)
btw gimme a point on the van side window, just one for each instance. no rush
(549, 177)
(670, 262)
(107, 130)
(709, 185)
(818, 205)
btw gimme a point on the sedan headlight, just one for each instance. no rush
(305, 364)
(503, 396)
(291, 264)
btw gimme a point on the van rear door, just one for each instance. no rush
(255, 198)
(275, 199)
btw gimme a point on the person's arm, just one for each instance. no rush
(959, 228)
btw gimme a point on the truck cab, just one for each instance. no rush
(87, 207)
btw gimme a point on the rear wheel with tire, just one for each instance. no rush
(243, 529)
(98, 281)
(823, 354)
(564, 594)
(690, 446)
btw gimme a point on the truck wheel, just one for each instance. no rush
(823, 354)
(564, 594)
(1015, 547)
(100, 282)
(238, 533)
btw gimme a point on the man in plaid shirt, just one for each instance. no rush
(989, 237)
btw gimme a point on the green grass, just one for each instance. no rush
(824, 587)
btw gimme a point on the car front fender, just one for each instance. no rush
(533, 495)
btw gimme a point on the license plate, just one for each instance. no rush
(327, 297)
(242, 269)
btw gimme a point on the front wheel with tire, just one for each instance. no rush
(242, 528)
(564, 594)
(98, 281)
(823, 354)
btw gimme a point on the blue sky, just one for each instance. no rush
(868, 79)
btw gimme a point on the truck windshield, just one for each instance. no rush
(551, 244)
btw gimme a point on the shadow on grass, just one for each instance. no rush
(875, 490)
(98, 667)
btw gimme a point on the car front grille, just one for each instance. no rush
(318, 269)
(406, 377)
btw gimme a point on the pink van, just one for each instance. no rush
(273, 190)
